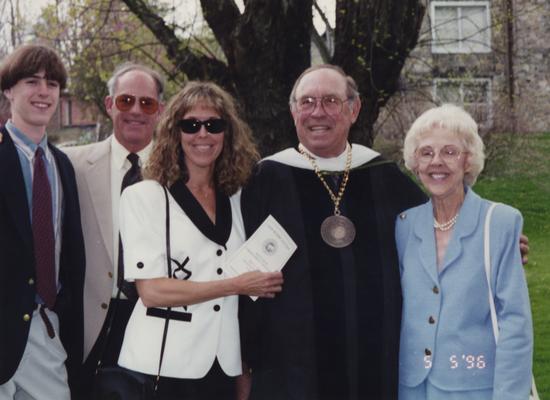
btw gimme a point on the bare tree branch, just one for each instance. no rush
(184, 59)
(373, 38)
(321, 46)
(318, 40)
(222, 17)
(323, 16)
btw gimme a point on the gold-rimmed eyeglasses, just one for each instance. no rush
(332, 105)
(449, 154)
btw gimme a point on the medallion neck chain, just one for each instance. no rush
(445, 226)
(336, 198)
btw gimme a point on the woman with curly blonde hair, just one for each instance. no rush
(238, 155)
(203, 154)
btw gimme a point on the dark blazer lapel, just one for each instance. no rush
(218, 232)
(72, 266)
(466, 224)
(12, 184)
(63, 175)
(424, 232)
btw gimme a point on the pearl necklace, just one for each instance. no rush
(445, 226)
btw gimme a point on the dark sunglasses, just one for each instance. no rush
(125, 102)
(193, 125)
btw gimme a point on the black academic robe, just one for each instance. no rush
(17, 265)
(333, 332)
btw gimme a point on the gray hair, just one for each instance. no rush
(130, 66)
(352, 92)
(457, 121)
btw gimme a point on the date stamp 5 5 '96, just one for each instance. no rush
(467, 361)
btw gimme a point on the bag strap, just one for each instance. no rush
(487, 258)
(169, 266)
(534, 395)
(165, 333)
(108, 330)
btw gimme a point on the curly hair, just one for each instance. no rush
(239, 154)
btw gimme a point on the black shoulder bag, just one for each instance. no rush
(124, 384)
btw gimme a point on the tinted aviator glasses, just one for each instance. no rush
(125, 102)
(449, 154)
(332, 105)
(193, 125)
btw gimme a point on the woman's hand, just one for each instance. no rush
(261, 284)
(243, 384)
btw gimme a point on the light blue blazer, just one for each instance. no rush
(446, 331)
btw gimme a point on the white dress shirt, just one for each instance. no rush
(119, 166)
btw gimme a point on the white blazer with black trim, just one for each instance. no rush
(199, 333)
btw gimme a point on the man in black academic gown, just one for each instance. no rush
(333, 332)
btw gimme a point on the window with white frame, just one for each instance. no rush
(460, 26)
(474, 94)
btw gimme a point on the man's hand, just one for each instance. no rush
(524, 248)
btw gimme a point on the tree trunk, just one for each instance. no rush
(269, 51)
(372, 41)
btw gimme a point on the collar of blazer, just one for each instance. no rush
(466, 224)
(98, 179)
(218, 232)
(92, 164)
(98, 151)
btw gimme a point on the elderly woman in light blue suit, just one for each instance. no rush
(448, 349)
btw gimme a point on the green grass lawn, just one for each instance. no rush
(519, 175)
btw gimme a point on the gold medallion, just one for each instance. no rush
(337, 231)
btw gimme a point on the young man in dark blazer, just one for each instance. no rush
(41, 247)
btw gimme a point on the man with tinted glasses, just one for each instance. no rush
(103, 169)
(41, 246)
